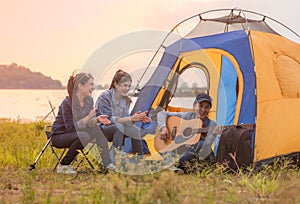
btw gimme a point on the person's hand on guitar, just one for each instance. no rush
(164, 134)
(217, 130)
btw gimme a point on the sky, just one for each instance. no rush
(56, 37)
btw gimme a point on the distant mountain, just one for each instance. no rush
(15, 76)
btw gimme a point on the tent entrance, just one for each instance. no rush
(191, 81)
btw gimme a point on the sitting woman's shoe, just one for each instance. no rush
(104, 170)
(65, 169)
(112, 167)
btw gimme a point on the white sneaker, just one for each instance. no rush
(65, 169)
(112, 167)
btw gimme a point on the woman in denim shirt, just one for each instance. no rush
(75, 124)
(115, 103)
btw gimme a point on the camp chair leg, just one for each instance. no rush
(85, 157)
(32, 166)
(58, 158)
(63, 153)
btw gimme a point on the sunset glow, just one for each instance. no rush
(56, 37)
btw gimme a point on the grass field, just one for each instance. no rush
(20, 144)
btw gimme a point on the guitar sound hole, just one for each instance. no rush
(187, 132)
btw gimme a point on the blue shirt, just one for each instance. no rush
(107, 104)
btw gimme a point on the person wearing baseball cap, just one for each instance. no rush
(201, 149)
(203, 97)
(202, 106)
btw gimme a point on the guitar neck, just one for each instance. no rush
(206, 129)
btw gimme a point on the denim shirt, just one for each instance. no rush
(106, 104)
(69, 112)
(81, 112)
(64, 120)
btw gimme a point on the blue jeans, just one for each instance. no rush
(193, 154)
(115, 134)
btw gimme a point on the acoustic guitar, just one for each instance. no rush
(184, 132)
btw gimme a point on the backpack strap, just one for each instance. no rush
(233, 156)
(238, 142)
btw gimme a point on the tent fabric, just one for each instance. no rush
(227, 93)
(229, 23)
(207, 50)
(234, 43)
(156, 82)
(288, 80)
(253, 77)
(278, 114)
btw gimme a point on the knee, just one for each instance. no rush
(119, 127)
(84, 139)
(110, 128)
(80, 146)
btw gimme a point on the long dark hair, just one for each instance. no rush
(120, 77)
(75, 79)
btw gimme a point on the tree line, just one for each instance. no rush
(15, 76)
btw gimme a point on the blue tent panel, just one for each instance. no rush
(227, 93)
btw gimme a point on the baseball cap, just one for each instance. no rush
(203, 97)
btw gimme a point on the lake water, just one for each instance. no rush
(29, 105)
(33, 105)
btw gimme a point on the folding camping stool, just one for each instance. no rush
(49, 143)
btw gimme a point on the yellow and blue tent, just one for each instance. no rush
(252, 72)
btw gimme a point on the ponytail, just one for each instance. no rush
(74, 80)
(70, 86)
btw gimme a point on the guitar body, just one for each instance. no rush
(184, 134)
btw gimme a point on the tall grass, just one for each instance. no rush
(21, 143)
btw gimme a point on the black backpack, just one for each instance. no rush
(235, 148)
